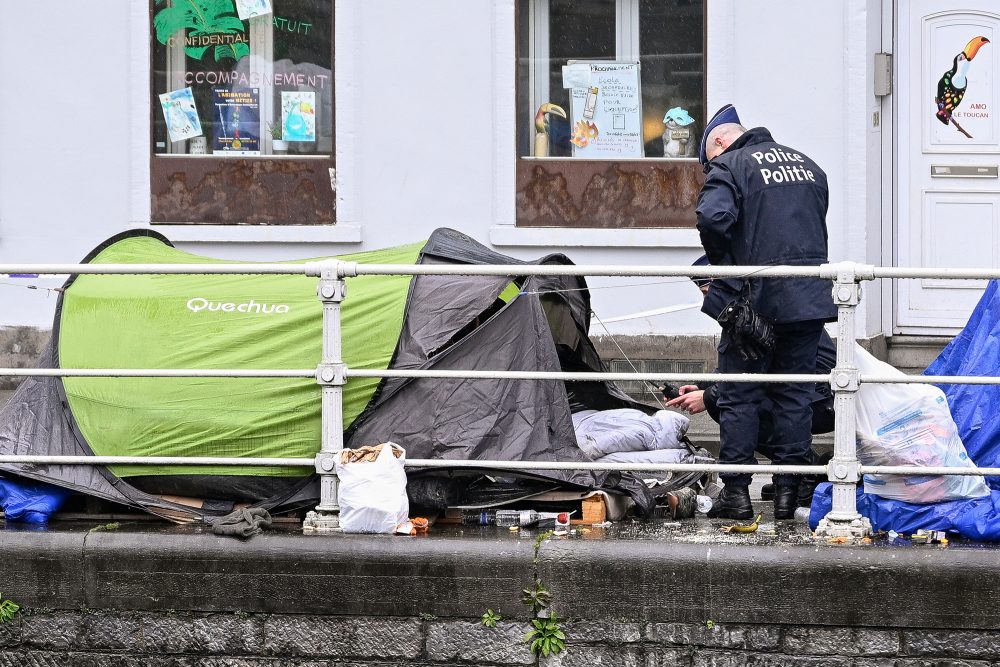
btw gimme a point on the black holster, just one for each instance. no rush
(752, 333)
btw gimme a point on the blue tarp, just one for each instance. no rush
(975, 351)
(976, 518)
(30, 502)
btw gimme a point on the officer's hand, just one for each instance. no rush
(683, 389)
(691, 400)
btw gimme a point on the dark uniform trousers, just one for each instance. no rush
(791, 411)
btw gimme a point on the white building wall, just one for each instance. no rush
(64, 139)
(425, 136)
(804, 70)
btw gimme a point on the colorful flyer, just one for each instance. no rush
(298, 116)
(236, 126)
(247, 9)
(180, 114)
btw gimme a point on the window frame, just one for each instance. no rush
(241, 191)
(550, 191)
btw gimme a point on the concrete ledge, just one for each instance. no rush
(44, 569)
(452, 574)
(794, 584)
(275, 573)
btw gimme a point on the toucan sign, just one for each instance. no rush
(198, 304)
(966, 82)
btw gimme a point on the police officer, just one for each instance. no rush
(704, 397)
(763, 203)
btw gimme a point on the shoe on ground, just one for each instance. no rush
(682, 503)
(786, 501)
(767, 492)
(733, 503)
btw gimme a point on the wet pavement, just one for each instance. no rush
(692, 531)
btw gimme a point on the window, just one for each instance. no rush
(610, 107)
(242, 111)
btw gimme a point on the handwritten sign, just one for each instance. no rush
(606, 116)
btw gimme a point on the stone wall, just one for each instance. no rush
(183, 639)
(19, 348)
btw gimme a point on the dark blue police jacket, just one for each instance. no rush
(764, 203)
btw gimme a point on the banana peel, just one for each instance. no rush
(739, 528)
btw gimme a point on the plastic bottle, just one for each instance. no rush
(516, 517)
(704, 504)
(479, 517)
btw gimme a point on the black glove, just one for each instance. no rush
(752, 334)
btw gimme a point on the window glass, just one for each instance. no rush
(577, 59)
(242, 77)
(671, 37)
(578, 29)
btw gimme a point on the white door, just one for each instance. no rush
(948, 154)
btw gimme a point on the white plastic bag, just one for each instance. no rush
(910, 424)
(372, 491)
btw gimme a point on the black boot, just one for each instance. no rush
(732, 503)
(786, 499)
(806, 488)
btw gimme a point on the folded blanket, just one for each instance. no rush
(655, 456)
(604, 432)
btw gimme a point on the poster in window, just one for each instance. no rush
(298, 115)
(247, 9)
(236, 127)
(606, 113)
(180, 114)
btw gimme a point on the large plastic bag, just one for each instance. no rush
(372, 491)
(910, 424)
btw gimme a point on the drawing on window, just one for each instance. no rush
(212, 24)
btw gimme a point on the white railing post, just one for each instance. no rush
(844, 469)
(331, 376)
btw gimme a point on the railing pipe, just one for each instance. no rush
(39, 459)
(156, 373)
(487, 375)
(158, 269)
(947, 274)
(349, 269)
(331, 376)
(843, 520)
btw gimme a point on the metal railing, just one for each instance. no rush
(844, 470)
